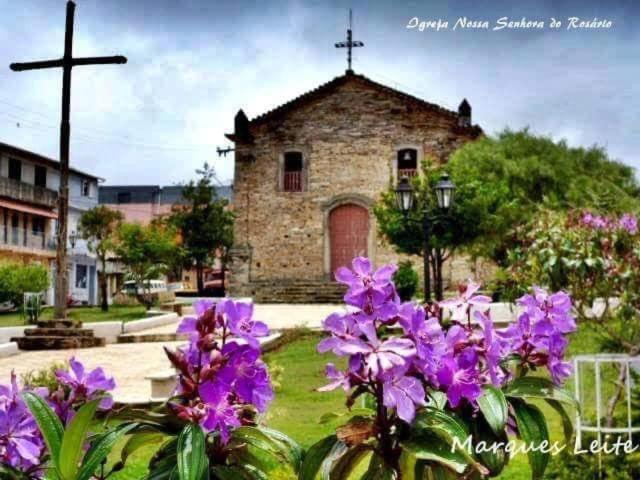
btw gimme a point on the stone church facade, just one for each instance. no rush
(308, 173)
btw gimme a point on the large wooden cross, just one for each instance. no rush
(67, 62)
(350, 43)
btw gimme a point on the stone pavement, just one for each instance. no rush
(130, 363)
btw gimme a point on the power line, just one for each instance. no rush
(105, 139)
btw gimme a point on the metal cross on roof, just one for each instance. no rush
(350, 43)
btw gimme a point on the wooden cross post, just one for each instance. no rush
(349, 44)
(67, 62)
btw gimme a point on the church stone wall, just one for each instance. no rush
(349, 140)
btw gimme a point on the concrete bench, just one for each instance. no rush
(175, 307)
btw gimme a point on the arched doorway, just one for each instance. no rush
(348, 234)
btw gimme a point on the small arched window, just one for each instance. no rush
(407, 162)
(292, 172)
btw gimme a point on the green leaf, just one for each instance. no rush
(538, 387)
(567, 424)
(428, 446)
(379, 470)
(48, 423)
(437, 472)
(344, 466)
(226, 472)
(448, 428)
(192, 458)
(532, 429)
(315, 456)
(101, 448)
(74, 438)
(8, 473)
(329, 417)
(437, 399)
(493, 458)
(339, 448)
(139, 440)
(493, 406)
(293, 451)
(250, 446)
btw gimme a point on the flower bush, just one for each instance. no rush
(424, 381)
(223, 387)
(596, 258)
(22, 445)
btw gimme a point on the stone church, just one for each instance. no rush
(308, 173)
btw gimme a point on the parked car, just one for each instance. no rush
(150, 286)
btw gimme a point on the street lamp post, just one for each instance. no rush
(405, 199)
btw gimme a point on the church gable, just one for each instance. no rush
(349, 94)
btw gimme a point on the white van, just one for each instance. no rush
(150, 286)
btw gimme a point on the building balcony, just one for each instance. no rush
(292, 181)
(20, 240)
(25, 192)
(407, 172)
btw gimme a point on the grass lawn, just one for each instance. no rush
(297, 407)
(122, 313)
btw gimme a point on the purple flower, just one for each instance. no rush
(629, 223)
(596, 222)
(219, 414)
(403, 393)
(460, 306)
(240, 321)
(247, 375)
(368, 289)
(219, 370)
(538, 336)
(21, 444)
(492, 348)
(338, 379)
(459, 376)
(343, 329)
(87, 386)
(380, 356)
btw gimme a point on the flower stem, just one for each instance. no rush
(387, 449)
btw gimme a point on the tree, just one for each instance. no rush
(144, 251)
(99, 227)
(16, 279)
(502, 183)
(204, 222)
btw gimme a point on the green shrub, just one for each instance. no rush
(406, 280)
(568, 466)
(17, 278)
(44, 377)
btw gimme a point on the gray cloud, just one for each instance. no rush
(194, 63)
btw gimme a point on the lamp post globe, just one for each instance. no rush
(445, 191)
(404, 195)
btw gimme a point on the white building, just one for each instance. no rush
(29, 183)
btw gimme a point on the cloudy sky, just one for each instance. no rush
(194, 63)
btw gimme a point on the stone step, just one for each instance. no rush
(59, 324)
(297, 291)
(58, 332)
(151, 337)
(57, 342)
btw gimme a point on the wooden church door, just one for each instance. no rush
(349, 230)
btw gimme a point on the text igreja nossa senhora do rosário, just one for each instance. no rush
(621, 446)
(507, 23)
